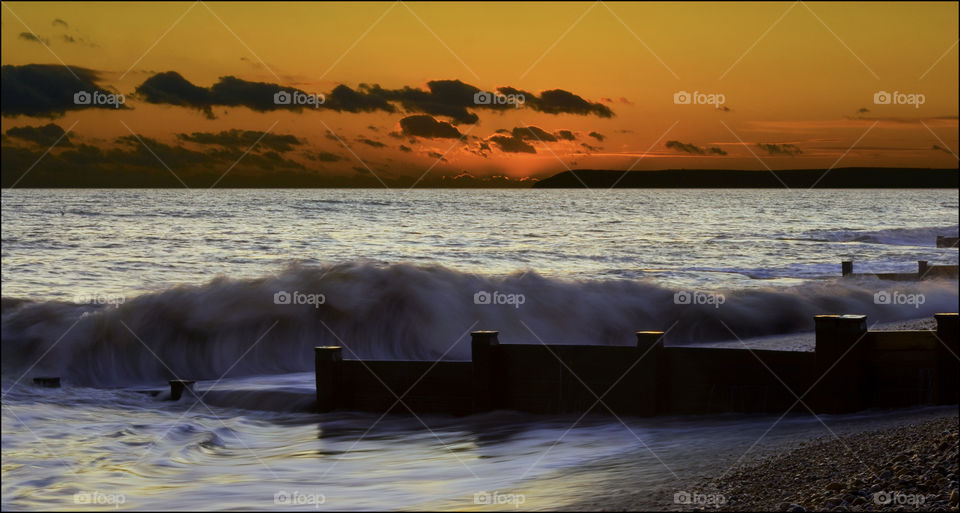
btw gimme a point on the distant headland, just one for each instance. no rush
(838, 178)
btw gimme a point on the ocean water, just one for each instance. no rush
(61, 243)
(116, 291)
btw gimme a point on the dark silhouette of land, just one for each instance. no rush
(838, 178)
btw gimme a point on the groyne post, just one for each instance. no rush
(178, 386)
(329, 371)
(839, 363)
(922, 267)
(654, 396)
(948, 367)
(481, 348)
(846, 267)
(946, 242)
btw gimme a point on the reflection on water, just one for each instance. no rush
(158, 454)
(134, 241)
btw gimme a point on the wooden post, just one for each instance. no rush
(946, 242)
(922, 267)
(47, 382)
(481, 347)
(948, 368)
(328, 371)
(177, 387)
(653, 398)
(846, 267)
(839, 360)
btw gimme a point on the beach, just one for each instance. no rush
(907, 468)
(842, 466)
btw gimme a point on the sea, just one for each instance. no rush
(117, 291)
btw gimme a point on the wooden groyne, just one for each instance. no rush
(924, 271)
(944, 241)
(851, 369)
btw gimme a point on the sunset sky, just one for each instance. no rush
(798, 82)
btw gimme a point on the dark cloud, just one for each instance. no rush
(438, 156)
(480, 149)
(58, 21)
(686, 148)
(450, 99)
(935, 148)
(566, 135)
(344, 99)
(422, 125)
(780, 149)
(133, 162)
(46, 90)
(45, 135)
(324, 156)
(128, 162)
(371, 142)
(693, 149)
(405, 148)
(453, 98)
(590, 148)
(598, 136)
(558, 101)
(236, 138)
(528, 133)
(447, 98)
(33, 38)
(863, 110)
(171, 88)
(511, 144)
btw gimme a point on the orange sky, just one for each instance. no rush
(791, 73)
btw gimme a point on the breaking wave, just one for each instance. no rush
(235, 327)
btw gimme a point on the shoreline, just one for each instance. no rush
(804, 462)
(912, 466)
